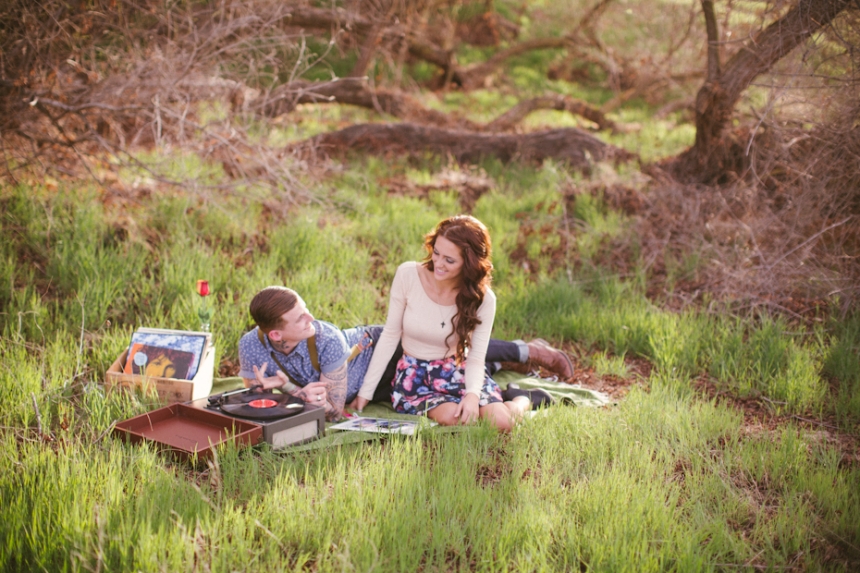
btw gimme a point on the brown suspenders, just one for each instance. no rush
(312, 352)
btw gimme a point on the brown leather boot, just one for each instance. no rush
(543, 355)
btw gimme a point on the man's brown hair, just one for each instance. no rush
(270, 304)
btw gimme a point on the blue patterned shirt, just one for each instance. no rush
(333, 347)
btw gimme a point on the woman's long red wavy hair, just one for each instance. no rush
(473, 240)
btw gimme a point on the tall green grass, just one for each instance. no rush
(657, 483)
(71, 271)
(664, 481)
(842, 366)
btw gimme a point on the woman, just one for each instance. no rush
(442, 310)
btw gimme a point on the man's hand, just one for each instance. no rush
(468, 409)
(267, 382)
(313, 393)
(329, 392)
(316, 393)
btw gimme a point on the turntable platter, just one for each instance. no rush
(262, 406)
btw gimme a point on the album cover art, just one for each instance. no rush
(156, 361)
(159, 353)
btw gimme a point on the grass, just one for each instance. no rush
(606, 365)
(667, 480)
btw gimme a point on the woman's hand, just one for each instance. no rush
(468, 409)
(358, 404)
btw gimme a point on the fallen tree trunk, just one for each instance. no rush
(572, 146)
(354, 91)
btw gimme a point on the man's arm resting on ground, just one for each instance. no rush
(336, 386)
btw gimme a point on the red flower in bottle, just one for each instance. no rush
(204, 313)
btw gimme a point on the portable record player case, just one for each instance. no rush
(303, 427)
(307, 425)
(185, 431)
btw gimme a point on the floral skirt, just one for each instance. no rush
(421, 385)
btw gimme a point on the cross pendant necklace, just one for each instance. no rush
(439, 305)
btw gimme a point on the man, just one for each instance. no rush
(322, 364)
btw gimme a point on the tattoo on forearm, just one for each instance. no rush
(336, 385)
(338, 375)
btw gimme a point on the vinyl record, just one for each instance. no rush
(262, 405)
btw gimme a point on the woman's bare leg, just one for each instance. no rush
(504, 415)
(444, 414)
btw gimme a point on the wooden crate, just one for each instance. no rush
(169, 390)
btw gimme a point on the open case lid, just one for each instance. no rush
(185, 430)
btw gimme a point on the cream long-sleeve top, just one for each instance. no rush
(416, 321)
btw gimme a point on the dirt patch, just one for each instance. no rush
(469, 183)
(760, 415)
(761, 418)
(228, 368)
(615, 387)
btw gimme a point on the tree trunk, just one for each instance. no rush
(353, 91)
(706, 160)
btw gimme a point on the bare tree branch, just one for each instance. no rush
(553, 102)
(713, 74)
(475, 75)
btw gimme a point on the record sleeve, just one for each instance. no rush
(192, 343)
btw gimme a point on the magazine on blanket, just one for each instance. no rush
(383, 425)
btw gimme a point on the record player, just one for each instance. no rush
(284, 419)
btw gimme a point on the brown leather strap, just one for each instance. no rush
(312, 352)
(291, 386)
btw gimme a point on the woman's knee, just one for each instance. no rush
(499, 415)
(443, 414)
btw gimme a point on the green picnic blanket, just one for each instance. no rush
(562, 394)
